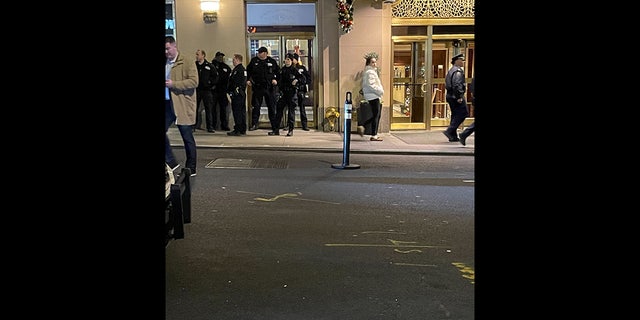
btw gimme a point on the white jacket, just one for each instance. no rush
(371, 85)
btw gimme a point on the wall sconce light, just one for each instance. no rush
(209, 10)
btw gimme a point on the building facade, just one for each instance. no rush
(414, 40)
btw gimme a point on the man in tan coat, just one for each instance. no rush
(181, 76)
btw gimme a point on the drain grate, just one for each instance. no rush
(229, 163)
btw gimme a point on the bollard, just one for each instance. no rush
(348, 106)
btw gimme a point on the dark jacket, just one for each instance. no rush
(305, 82)
(286, 78)
(237, 81)
(261, 72)
(207, 74)
(223, 75)
(455, 83)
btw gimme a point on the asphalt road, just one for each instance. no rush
(284, 235)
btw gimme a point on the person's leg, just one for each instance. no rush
(275, 124)
(458, 115)
(303, 112)
(199, 108)
(256, 101)
(270, 100)
(189, 147)
(466, 133)
(375, 119)
(291, 113)
(210, 110)
(169, 118)
(451, 132)
(242, 119)
(223, 113)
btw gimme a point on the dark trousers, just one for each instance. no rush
(223, 104)
(459, 112)
(239, 110)
(186, 132)
(303, 112)
(260, 93)
(469, 130)
(288, 101)
(206, 101)
(374, 121)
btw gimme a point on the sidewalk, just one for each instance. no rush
(425, 142)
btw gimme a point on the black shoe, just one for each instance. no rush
(193, 172)
(452, 138)
(252, 128)
(305, 129)
(463, 139)
(226, 129)
(211, 130)
(290, 133)
(234, 133)
(274, 133)
(174, 166)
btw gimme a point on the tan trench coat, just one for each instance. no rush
(184, 75)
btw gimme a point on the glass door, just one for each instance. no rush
(278, 46)
(408, 91)
(303, 46)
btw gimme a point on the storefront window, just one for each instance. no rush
(169, 21)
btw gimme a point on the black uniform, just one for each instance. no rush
(289, 92)
(260, 73)
(237, 90)
(204, 93)
(303, 86)
(456, 88)
(221, 92)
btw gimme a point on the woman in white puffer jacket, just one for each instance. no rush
(373, 92)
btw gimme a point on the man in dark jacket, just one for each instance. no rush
(288, 85)
(303, 86)
(456, 88)
(262, 77)
(221, 89)
(208, 76)
(237, 90)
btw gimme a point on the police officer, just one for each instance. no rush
(456, 88)
(288, 85)
(208, 76)
(237, 90)
(221, 89)
(262, 77)
(303, 86)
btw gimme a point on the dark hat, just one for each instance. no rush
(289, 56)
(219, 54)
(263, 49)
(296, 56)
(456, 57)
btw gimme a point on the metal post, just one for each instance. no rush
(346, 138)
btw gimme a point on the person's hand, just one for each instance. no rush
(274, 82)
(294, 82)
(460, 100)
(248, 83)
(168, 83)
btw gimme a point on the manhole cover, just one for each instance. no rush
(229, 163)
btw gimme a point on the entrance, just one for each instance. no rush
(418, 92)
(279, 45)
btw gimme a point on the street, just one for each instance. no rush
(284, 235)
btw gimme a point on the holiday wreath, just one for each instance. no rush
(345, 14)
